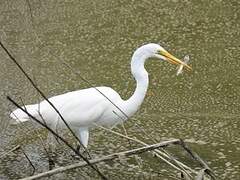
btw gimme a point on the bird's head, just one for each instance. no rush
(153, 50)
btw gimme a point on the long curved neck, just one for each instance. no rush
(141, 77)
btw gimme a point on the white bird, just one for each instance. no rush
(83, 108)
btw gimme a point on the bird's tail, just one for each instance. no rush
(19, 116)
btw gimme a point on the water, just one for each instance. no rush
(98, 39)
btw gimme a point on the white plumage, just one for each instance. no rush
(82, 108)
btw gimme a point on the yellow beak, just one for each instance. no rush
(170, 58)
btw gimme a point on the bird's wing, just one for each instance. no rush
(79, 107)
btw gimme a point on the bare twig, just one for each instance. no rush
(38, 135)
(164, 154)
(104, 158)
(30, 10)
(195, 156)
(16, 148)
(156, 152)
(30, 162)
(124, 129)
(61, 138)
(12, 150)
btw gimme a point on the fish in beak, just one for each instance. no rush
(172, 59)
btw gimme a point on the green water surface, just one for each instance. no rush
(97, 39)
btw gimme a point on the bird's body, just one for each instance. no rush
(83, 108)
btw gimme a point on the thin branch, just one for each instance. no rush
(156, 153)
(30, 162)
(60, 137)
(124, 129)
(37, 133)
(195, 156)
(12, 150)
(104, 158)
(30, 10)
(181, 167)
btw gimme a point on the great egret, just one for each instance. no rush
(83, 108)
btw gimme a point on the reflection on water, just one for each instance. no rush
(98, 39)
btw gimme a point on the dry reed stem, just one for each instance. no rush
(104, 158)
(156, 152)
(10, 151)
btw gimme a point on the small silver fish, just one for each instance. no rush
(180, 67)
